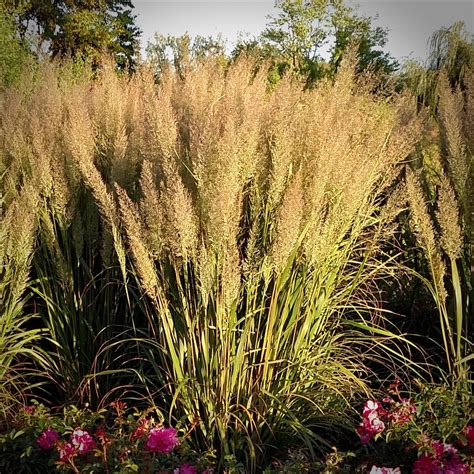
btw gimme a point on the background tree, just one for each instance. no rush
(300, 30)
(181, 51)
(370, 42)
(451, 50)
(14, 51)
(83, 28)
(301, 34)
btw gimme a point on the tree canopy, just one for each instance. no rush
(311, 36)
(181, 51)
(14, 51)
(82, 28)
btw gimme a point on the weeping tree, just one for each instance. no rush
(450, 49)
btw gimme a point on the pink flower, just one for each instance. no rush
(384, 470)
(185, 469)
(375, 423)
(364, 434)
(438, 449)
(470, 435)
(452, 464)
(161, 440)
(47, 438)
(445, 460)
(29, 409)
(82, 441)
(369, 428)
(371, 424)
(66, 451)
(455, 466)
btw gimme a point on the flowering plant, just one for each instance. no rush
(403, 429)
(437, 457)
(161, 440)
(393, 411)
(384, 470)
(110, 440)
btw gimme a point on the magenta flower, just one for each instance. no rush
(161, 440)
(47, 438)
(455, 466)
(444, 460)
(66, 451)
(426, 464)
(185, 469)
(82, 441)
(470, 435)
(371, 424)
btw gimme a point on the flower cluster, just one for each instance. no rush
(442, 458)
(186, 469)
(81, 442)
(161, 440)
(376, 416)
(372, 422)
(48, 438)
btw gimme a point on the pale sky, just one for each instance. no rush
(410, 22)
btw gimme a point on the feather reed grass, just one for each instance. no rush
(253, 222)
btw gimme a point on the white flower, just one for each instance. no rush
(384, 470)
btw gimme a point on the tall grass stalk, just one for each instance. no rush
(18, 338)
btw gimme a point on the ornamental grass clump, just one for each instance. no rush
(440, 196)
(215, 244)
(284, 189)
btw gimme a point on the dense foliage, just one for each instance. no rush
(80, 29)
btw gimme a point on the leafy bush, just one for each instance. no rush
(109, 440)
(434, 428)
